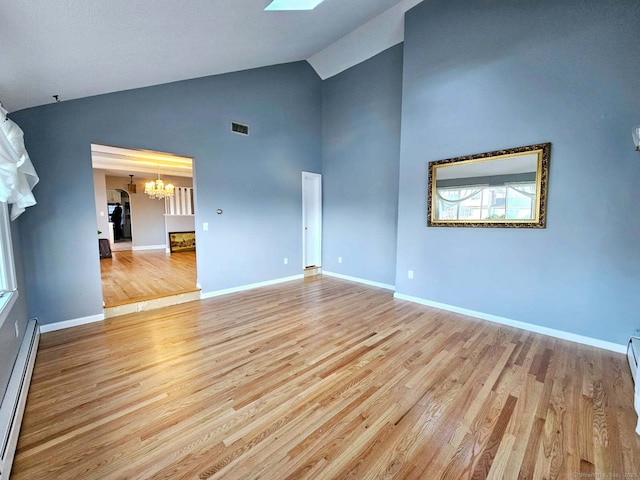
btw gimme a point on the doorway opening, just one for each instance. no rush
(120, 238)
(311, 223)
(144, 271)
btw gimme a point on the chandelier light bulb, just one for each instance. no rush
(158, 190)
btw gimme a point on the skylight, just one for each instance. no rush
(293, 4)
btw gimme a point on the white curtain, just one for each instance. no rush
(17, 175)
(463, 194)
(526, 189)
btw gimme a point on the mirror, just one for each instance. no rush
(505, 188)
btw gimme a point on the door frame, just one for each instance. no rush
(318, 199)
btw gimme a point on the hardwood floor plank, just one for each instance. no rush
(321, 378)
(522, 426)
(485, 461)
(527, 469)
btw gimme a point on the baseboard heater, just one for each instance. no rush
(633, 353)
(15, 398)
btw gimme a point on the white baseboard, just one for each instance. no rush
(359, 280)
(150, 247)
(552, 332)
(52, 327)
(15, 399)
(250, 286)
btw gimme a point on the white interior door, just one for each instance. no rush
(311, 219)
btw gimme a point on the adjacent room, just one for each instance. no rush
(364, 239)
(141, 268)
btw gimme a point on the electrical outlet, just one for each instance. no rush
(286, 260)
(17, 329)
(339, 259)
(410, 274)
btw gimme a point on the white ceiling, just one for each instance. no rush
(79, 48)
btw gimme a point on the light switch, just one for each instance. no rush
(205, 226)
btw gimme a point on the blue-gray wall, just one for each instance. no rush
(482, 76)
(360, 162)
(9, 343)
(477, 76)
(255, 180)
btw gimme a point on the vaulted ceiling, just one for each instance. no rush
(78, 48)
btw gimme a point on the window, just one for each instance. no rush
(8, 285)
(18, 179)
(513, 201)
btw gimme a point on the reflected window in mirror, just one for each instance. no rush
(505, 188)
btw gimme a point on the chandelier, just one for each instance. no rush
(157, 189)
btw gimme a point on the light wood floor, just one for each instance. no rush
(135, 276)
(322, 378)
(121, 245)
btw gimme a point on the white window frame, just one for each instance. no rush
(8, 284)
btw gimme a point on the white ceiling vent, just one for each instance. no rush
(240, 128)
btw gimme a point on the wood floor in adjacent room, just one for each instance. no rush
(322, 378)
(136, 276)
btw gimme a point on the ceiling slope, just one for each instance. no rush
(79, 48)
(371, 38)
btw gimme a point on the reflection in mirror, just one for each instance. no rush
(506, 188)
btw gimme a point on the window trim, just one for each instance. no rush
(8, 283)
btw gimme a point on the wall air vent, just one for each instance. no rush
(240, 128)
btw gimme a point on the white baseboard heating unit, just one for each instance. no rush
(15, 398)
(633, 353)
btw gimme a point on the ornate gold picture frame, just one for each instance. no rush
(500, 189)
